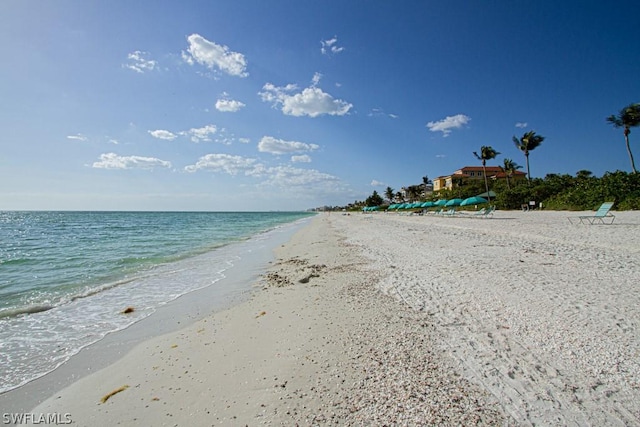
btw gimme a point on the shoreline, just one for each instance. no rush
(169, 317)
(307, 348)
(520, 319)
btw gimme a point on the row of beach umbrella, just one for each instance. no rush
(476, 200)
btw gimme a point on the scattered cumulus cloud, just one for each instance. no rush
(163, 134)
(227, 105)
(138, 61)
(244, 140)
(269, 144)
(522, 125)
(207, 133)
(376, 183)
(289, 177)
(304, 158)
(330, 47)
(214, 56)
(114, 161)
(78, 137)
(202, 134)
(232, 165)
(449, 123)
(284, 177)
(312, 101)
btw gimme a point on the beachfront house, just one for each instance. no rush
(415, 192)
(466, 173)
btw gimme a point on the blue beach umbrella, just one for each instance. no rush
(475, 200)
(441, 202)
(428, 205)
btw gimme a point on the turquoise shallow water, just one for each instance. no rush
(65, 277)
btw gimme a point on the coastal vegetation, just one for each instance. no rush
(583, 191)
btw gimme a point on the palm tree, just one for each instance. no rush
(509, 168)
(527, 143)
(425, 181)
(486, 153)
(628, 117)
(389, 194)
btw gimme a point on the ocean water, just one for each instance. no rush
(66, 277)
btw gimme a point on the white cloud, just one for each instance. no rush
(139, 63)
(316, 79)
(78, 137)
(163, 134)
(376, 183)
(377, 112)
(228, 105)
(244, 140)
(113, 161)
(201, 134)
(447, 124)
(227, 163)
(301, 159)
(288, 177)
(312, 101)
(522, 125)
(282, 177)
(440, 156)
(269, 144)
(213, 56)
(330, 46)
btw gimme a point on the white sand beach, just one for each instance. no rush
(388, 319)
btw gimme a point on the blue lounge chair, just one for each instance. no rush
(601, 214)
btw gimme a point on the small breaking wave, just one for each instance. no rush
(29, 309)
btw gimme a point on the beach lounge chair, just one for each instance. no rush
(485, 212)
(601, 215)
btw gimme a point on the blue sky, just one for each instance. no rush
(262, 105)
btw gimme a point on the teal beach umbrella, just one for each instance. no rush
(475, 200)
(453, 202)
